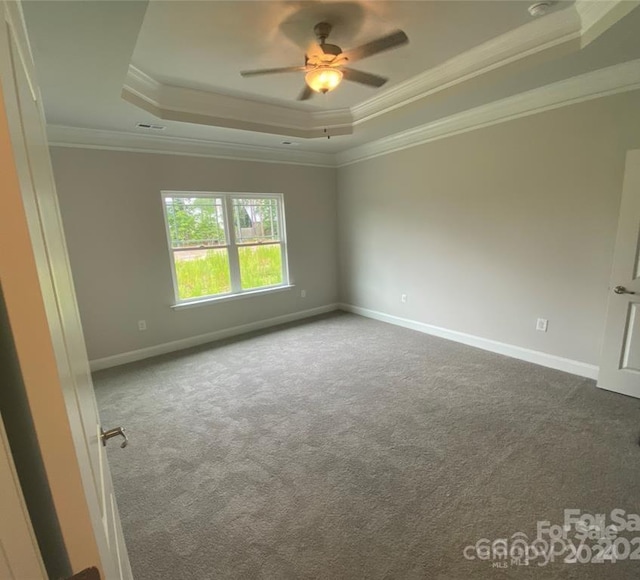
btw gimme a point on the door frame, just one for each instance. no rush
(25, 281)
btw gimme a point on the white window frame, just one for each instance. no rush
(231, 245)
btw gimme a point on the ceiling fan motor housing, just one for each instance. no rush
(332, 49)
(322, 31)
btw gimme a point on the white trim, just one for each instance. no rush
(177, 103)
(64, 136)
(603, 82)
(526, 40)
(596, 16)
(582, 23)
(592, 85)
(14, 17)
(151, 351)
(229, 297)
(533, 356)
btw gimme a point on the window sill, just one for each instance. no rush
(227, 297)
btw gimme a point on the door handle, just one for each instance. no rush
(622, 290)
(105, 435)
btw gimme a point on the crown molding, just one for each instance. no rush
(596, 16)
(65, 136)
(181, 104)
(576, 25)
(600, 83)
(529, 39)
(209, 108)
(571, 28)
(608, 81)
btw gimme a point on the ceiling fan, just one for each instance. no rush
(324, 63)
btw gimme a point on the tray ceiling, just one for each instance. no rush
(177, 64)
(204, 45)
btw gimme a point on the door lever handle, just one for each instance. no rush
(105, 435)
(622, 290)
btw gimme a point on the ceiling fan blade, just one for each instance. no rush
(306, 93)
(364, 78)
(270, 71)
(393, 40)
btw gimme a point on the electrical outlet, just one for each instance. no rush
(303, 293)
(142, 325)
(403, 298)
(542, 324)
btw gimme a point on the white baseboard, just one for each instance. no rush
(533, 356)
(142, 353)
(547, 360)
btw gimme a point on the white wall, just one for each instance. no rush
(488, 230)
(111, 207)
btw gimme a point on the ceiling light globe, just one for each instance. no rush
(323, 79)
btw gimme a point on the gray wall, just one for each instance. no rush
(112, 213)
(484, 231)
(488, 230)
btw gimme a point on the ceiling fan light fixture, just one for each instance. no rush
(323, 79)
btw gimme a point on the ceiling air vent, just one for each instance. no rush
(150, 126)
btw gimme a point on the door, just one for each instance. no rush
(620, 362)
(43, 314)
(19, 554)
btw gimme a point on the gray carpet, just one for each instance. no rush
(345, 448)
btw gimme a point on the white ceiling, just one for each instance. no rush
(83, 51)
(205, 45)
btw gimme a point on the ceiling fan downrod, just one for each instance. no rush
(322, 31)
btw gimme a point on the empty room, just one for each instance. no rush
(320, 289)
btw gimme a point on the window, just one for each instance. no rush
(225, 243)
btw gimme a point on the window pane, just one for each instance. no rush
(195, 222)
(256, 220)
(260, 266)
(202, 272)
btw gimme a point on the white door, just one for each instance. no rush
(19, 553)
(620, 363)
(68, 432)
